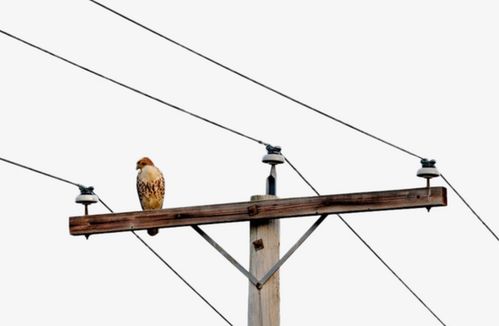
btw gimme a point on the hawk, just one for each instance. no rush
(150, 187)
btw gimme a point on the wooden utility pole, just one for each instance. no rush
(263, 212)
(264, 299)
(264, 302)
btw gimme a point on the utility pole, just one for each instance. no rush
(264, 300)
(264, 213)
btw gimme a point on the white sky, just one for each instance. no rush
(421, 74)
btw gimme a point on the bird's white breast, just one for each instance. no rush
(149, 173)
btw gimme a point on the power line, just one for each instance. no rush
(42, 173)
(390, 269)
(307, 106)
(240, 134)
(215, 123)
(301, 176)
(369, 247)
(168, 104)
(187, 283)
(136, 235)
(171, 268)
(133, 89)
(181, 278)
(104, 204)
(203, 118)
(235, 132)
(190, 286)
(271, 89)
(470, 208)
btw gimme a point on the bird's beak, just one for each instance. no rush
(137, 167)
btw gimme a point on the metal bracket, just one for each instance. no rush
(291, 251)
(275, 268)
(224, 253)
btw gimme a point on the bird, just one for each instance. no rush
(150, 187)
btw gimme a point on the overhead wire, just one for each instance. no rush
(243, 135)
(41, 172)
(155, 253)
(370, 248)
(133, 231)
(158, 100)
(469, 207)
(391, 270)
(187, 283)
(181, 278)
(220, 125)
(284, 95)
(133, 89)
(245, 76)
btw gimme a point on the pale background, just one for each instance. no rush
(421, 74)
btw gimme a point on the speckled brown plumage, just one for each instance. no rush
(150, 187)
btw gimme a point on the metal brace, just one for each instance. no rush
(224, 253)
(259, 284)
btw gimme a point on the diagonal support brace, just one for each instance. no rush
(275, 268)
(224, 253)
(291, 251)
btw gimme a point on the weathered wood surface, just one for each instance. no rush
(264, 304)
(267, 209)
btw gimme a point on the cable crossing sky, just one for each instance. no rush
(196, 116)
(235, 132)
(134, 233)
(292, 99)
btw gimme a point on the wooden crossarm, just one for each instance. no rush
(269, 209)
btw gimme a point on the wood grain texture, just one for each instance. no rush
(264, 304)
(268, 209)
